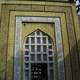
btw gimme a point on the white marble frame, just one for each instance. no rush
(59, 47)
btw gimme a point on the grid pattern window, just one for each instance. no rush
(38, 51)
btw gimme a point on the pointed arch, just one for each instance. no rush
(38, 49)
(39, 30)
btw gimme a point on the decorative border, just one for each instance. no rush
(17, 57)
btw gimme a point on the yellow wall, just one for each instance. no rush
(32, 27)
(69, 29)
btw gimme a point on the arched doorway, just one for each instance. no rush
(38, 63)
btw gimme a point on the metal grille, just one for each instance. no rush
(38, 48)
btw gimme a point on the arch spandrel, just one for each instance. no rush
(32, 27)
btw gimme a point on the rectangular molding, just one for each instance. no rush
(17, 56)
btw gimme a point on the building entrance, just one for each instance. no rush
(38, 56)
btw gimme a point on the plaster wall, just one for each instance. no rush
(69, 29)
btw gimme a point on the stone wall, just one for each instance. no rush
(70, 33)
